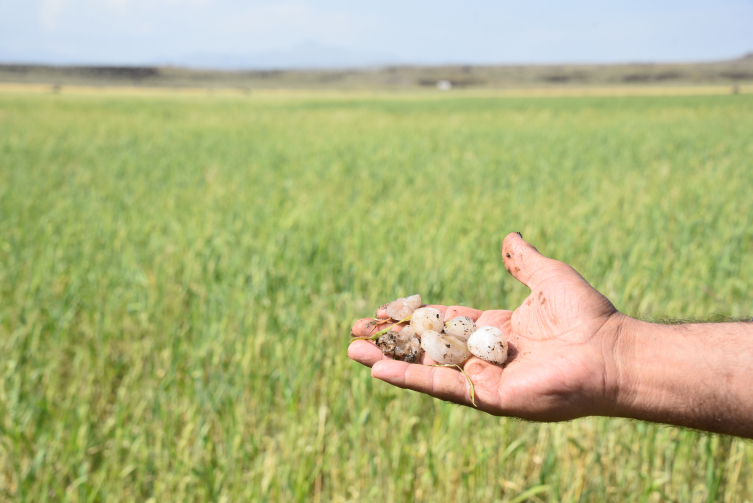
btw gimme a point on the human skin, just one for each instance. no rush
(573, 354)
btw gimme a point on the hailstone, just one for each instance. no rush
(403, 345)
(413, 301)
(426, 318)
(403, 307)
(407, 332)
(445, 349)
(410, 351)
(461, 327)
(489, 344)
(387, 342)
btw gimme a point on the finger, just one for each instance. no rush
(494, 318)
(439, 382)
(366, 327)
(381, 311)
(524, 261)
(365, 353)
(455, 311)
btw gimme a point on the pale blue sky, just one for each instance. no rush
(421, 31)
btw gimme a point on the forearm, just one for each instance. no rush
(695, 375)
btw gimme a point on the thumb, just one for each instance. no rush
(525, 263)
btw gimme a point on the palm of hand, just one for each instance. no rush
(559, 365)
(558, 369)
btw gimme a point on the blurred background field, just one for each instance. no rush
(733, 74)
(178, 277)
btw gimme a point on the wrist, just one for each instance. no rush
(629, 344)
(654, 373)
(617, 342)
(654, 376)
(684, 375)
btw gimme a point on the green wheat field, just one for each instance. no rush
(178, 276)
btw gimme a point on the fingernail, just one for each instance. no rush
(519, 234)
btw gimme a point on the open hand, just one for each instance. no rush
(561, 362)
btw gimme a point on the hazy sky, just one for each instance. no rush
(421, 31)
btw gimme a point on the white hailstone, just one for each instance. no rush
(445, 349)
(426, 318)
(399, 309)
(461, 327)
(489, 344)
(413, 301)
(407, 332)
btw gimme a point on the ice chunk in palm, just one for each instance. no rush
(444, 349)
(489, 344)
(387, 342)
(413, 301)
(403, 345)
(409, 351)
(426, 318)
(461, 327)
(403, 307)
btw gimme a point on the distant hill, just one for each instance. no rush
(732, 72)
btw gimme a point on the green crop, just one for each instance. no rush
(178, 277)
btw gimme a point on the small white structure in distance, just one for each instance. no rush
(444, 85)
